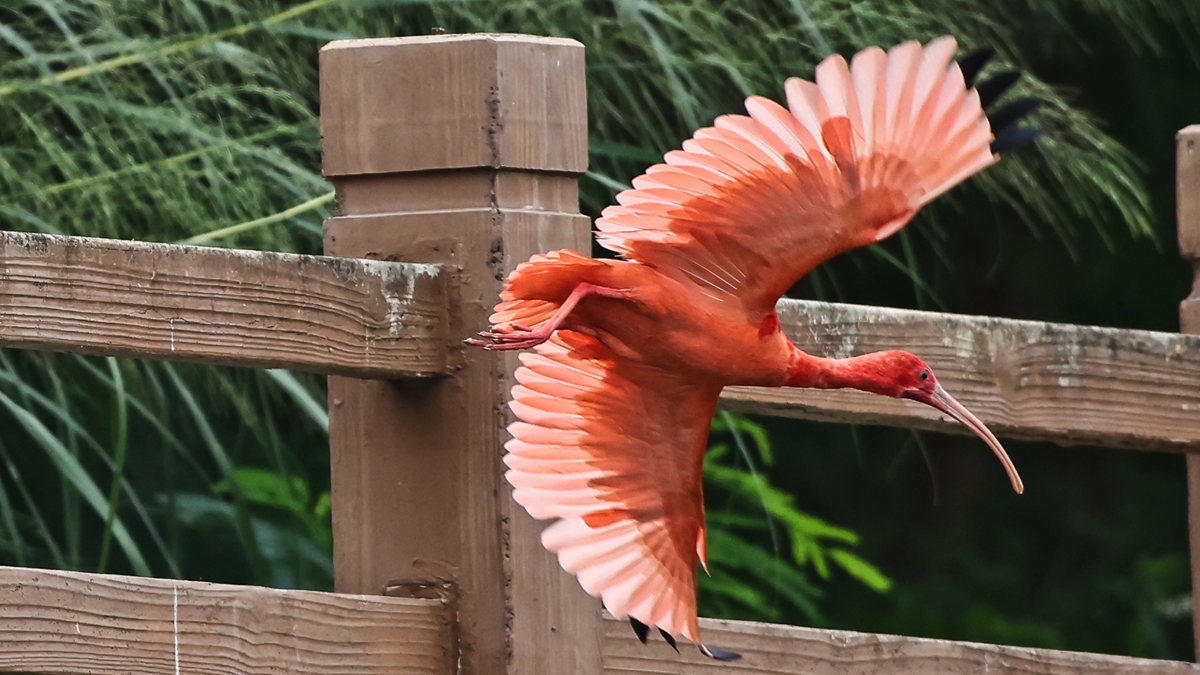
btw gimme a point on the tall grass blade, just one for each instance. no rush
(822, 45)
(8, 516)
(303, 207)
(167, 50)
(244, 528)
(62, 414)
(34, 512)
(315, 409)
(120, 443)
(73, 471)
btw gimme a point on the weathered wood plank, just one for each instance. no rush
(222, 306)
(92, 624)
(1025, 379)
(769, 649)
(1187, 199)
(1193, 493)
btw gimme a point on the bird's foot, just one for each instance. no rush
(511, 338)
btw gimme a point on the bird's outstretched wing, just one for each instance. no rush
(752, 204)
(615, 449)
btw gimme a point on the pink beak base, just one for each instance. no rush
(946, 403)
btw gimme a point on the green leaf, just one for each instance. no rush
(269, 489)
(861, 570)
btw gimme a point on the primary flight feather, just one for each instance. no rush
(631, 355)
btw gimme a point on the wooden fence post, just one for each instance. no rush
(462, 150)
(1187, 200)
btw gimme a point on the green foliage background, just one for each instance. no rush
(196, 120)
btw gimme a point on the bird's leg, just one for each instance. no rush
(523, 337)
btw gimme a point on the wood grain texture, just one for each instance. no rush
(92, 624)
(419, 500)
(453, 101)
(769, 649)
(221, 306)
(1193, 496)
(556, 625)
(1187, 205)
(1025, 379)
(1187, 191)
(415, 466)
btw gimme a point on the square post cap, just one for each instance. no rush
(453, 102)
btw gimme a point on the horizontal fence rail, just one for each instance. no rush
(222, 306)
(1026, 379)
(770, 649)
(70, 623)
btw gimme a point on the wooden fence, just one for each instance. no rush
(455, 158)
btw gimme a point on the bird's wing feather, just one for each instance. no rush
(549, 275)
(752, 204)
(614, 449)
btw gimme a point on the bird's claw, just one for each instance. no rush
(510, 337)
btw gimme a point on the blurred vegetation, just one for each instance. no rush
(196, 120)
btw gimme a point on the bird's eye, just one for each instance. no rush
(924, 375)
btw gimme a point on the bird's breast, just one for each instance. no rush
(696, 338)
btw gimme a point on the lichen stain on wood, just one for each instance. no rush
(847, 330)
(1041, 381)
(399, 289)
(222, 306)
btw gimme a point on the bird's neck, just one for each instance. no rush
(806, 370)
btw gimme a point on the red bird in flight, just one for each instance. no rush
(631, 354)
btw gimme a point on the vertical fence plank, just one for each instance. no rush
(1187, 190)
(464, 151)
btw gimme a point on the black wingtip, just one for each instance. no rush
(1014, 139)
(972, 63)
(719, 654)
(670, 639)
(1012, 112)
(640, 629)
(994, 87)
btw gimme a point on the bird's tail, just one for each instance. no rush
(537, 288)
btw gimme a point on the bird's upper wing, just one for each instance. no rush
(752, 204)
(615, 450)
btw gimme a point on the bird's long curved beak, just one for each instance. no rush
(946, 403)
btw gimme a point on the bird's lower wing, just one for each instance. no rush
(753, 203)
(614, 450)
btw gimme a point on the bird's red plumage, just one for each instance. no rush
(615, 406)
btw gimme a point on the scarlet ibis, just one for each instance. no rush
(631, 354)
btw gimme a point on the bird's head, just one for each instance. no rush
(901, 374)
